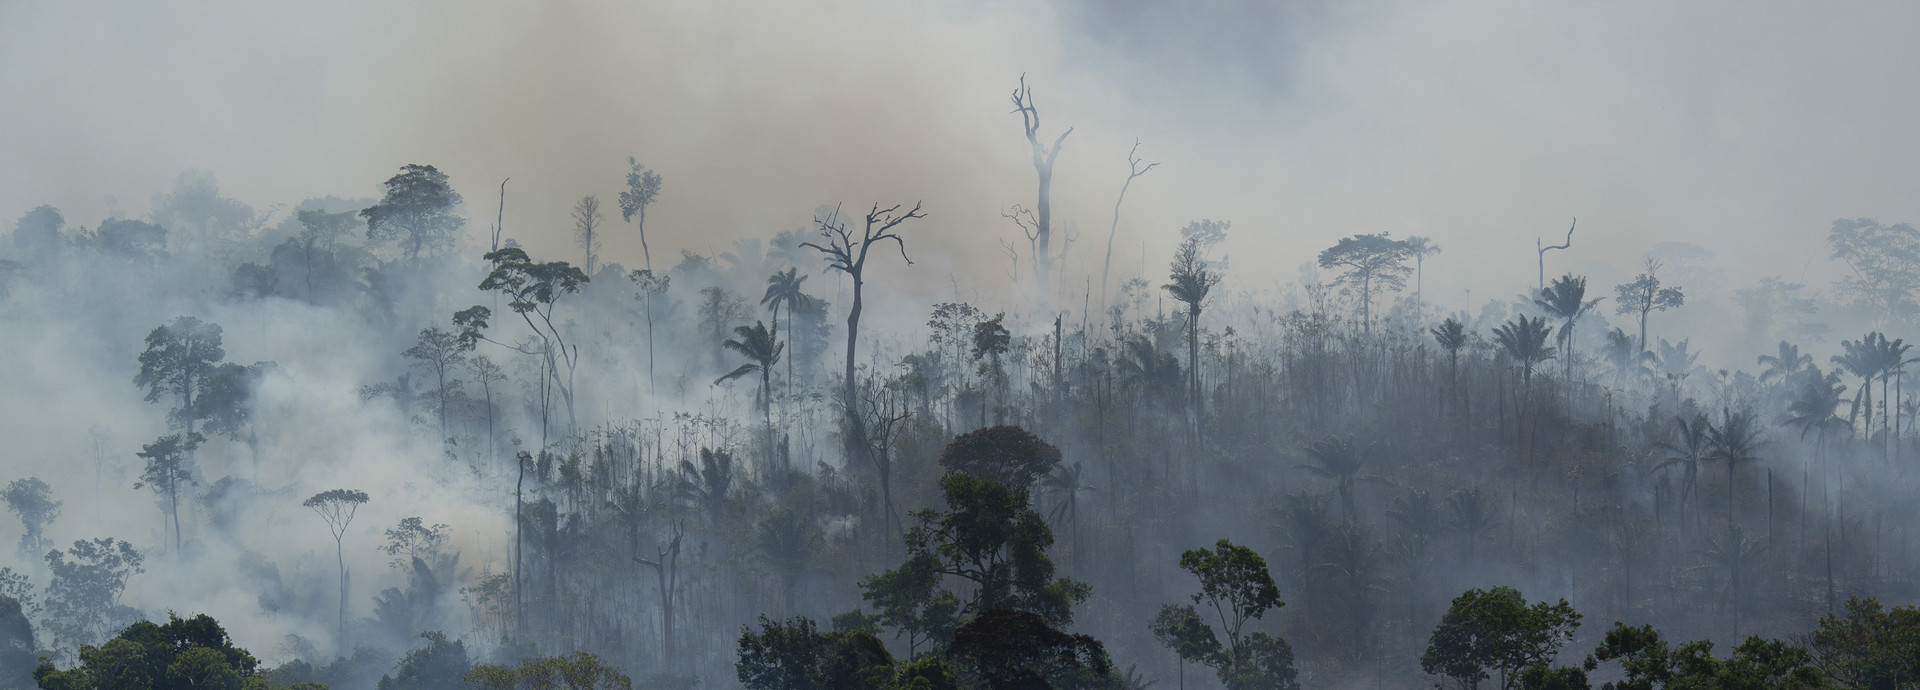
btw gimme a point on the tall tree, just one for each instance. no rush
(586, 230)
(1339, 459)
(533, 290)
(1525, 340)
(1734, 443)
(847, 253)
(83, 595)
(1367, 263)
(762, 348)
(440, 354)
(1451, 335)
(1496, 631)
(169, 466)
(666, 568)
(1043, 158)
(1884, 266)
(32, 501)
(1566, 299)
(1645, 295)
(337, 507)
(1420, 248)
(1861, 358)
(37, 234)
(643, 187)
(1191, 278)
(1690, 446)
(416, 213)
(649, 286)
(1134, 170)
(1235, 585)
(179, 358)
(991, 340)
(783, 289)
(1542, 250)
(990, 538)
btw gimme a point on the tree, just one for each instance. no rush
(1884, 261)
(169, 465)
(783, 288)
(1451, 335)
(1785, 364)
(416, 213)
(1043, 157)
(1567, 300)
(1861, 358)
(336, 507)
(37, 234)
(179, 358)
(992, 539)
(17, 647)
(761, 346)
(1691, 446)
(226, 403)
(650, 286)
(1541, 251)
(1420, 248)
(441, 665)
(910, 600)
(848, 254)
(1647, 661)
(991, 340)
(1644, 295)
(83, 596)
(1368, 262)
(666, 567)
(577, 671)
(1525, 340)
(439, 354)
(135, 241)
(1735, 442)
(184, 654)
(1191, 278)
(1134, 170)
(1235, 584)
(586, 230)
(1009, 455)
(32, 501)
(706, 486)
(1012, 649)
(533, 290)
(1338, 459)
(1495, 631)
(795, 655)
(1871, 647)
(643, 187)
(788, 541)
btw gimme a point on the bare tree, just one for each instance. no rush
(1043, 157)
(1542, 251)
(586, 230)
(666, 566)
(1133, 170)
(848, 254)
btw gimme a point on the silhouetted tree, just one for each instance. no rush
(1495, 631)
(1134, 170)
(169, 465)
(1566, 300)
(1043, 158)
(336, 507)
(32, 501)
(1367, 262)
(586, 231)
(1191, 279)
(416, 213)
(848, 254)
(643, 187)
(1645, 295)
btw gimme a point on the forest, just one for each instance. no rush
(435, 434)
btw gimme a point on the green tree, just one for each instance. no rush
(1009, 455)
(184, 654)
(1368, 263)
(1451, 335)
(1235, 584)
(1871, 647)
(83, 596)
(795, 655)
(910, 600)
(179, 358)
(441, 665)
(169, 467)
(991, 341)
(783, 289)
(416, 213)
(1496, 632)
(1010, 649)
(37, 234)
(1648, 662)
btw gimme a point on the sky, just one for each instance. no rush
(1746, 128)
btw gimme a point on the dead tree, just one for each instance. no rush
(1043, 158)
(1542, 251)
(848, 255)
(1133, 170)
(666, 566)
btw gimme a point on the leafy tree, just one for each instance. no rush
(762, 348)
(533, 290)
(910, 600)
(416, 213)
(226, 403)
(1191, 278)
(414, 539)
(37, 234)
(337, 507)
(1689, 448)
(788, 541)
(1861, 358)
(1884, 261)
(783, 288)
(1235, 584)
(795, 655)
(1871, 647)
(136, 241)
(184, 654)
(169, 466)
(1645, 295)
(179, 358)
(441, 665)
(83, 597)
(17, 657)
(706, 485)
(1009, 455)
(643, 187)
(440, 354)
(1339, 459)
(1734, 443)
(991, 538)
(1367, 263)
(1647, 662)
(1012, 649)
(578, 671)
(1567, 300)
(32, 501)
(991, 341)
(1784, 365)
(1496, 632)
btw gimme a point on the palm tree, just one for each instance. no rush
(1785, 364)
(1733, 553)
(1735, 442)
(1677, 361)
(1146, 368)
(1567, 299)
(1471, 514)
(1628, 360)
(1191, 277)
(1891, 357)
(1420, 248)
(1451, 335)
(783, 289)
(1525, 340)
(1303, 525)
(1687, 451)
(1340, 460)
(706, 486)
(1066, 484)
(1859, 358)
(760, 346)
